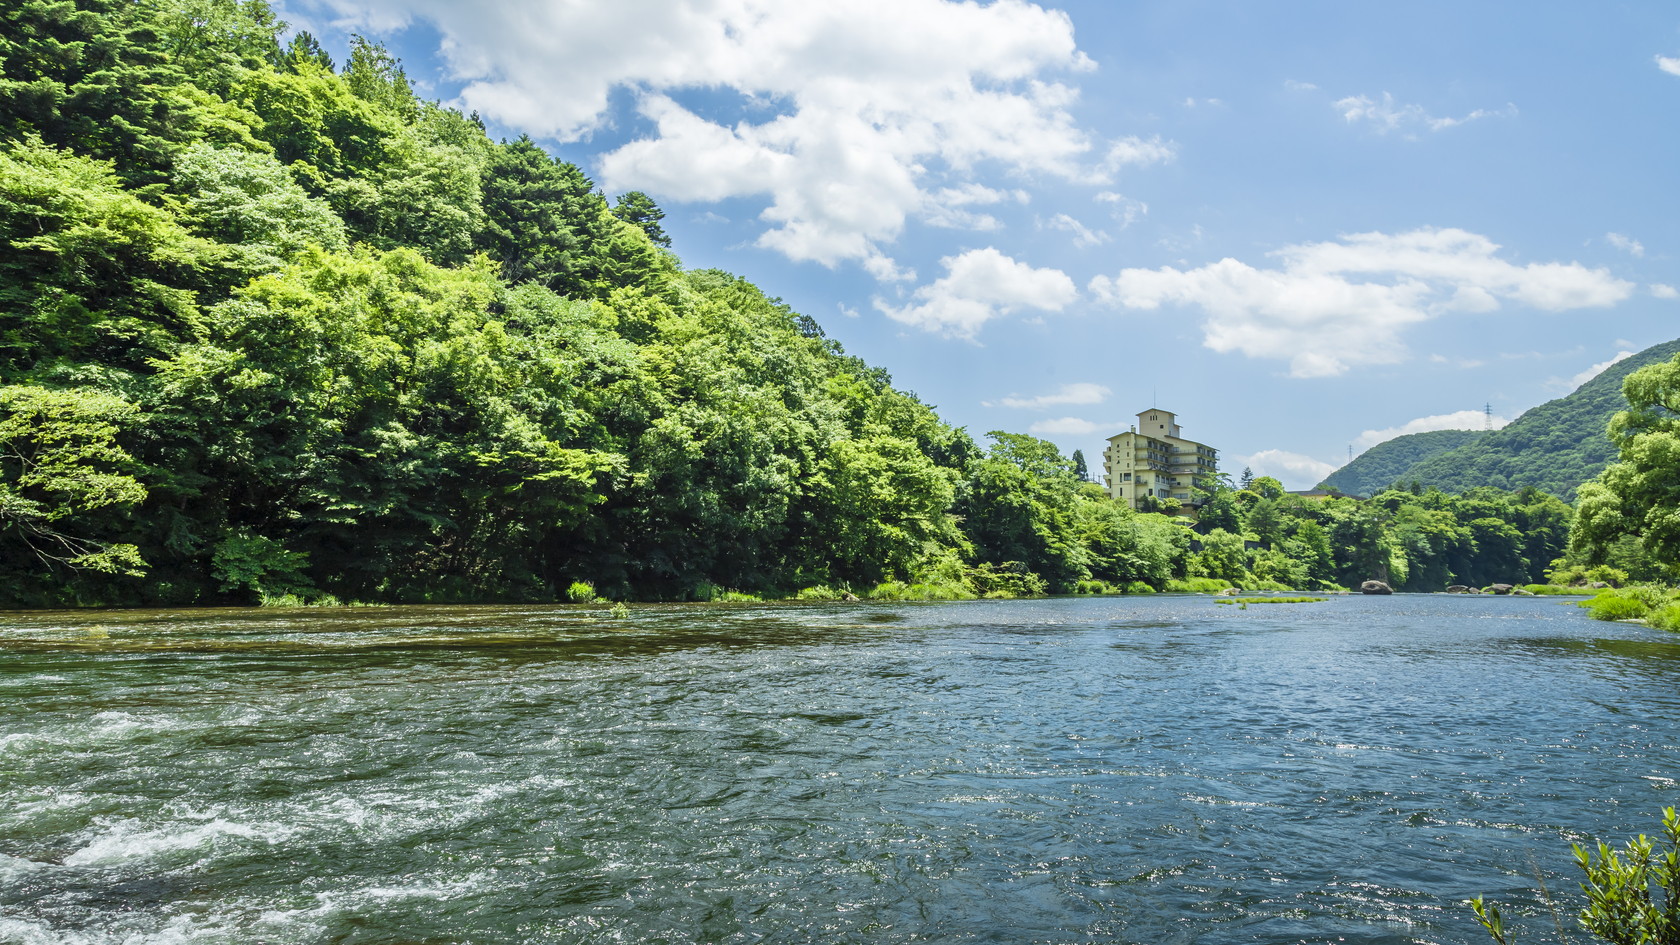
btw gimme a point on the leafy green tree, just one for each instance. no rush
(638, 209)
(1020, 506)
(65, 483)
(542, 219)
(251, 203)
(1638, 496)
(1222, 556)
(91, 273)
(1266, 488)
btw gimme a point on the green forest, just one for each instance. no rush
(1389, 461)
(1555, 446)
(273, 328)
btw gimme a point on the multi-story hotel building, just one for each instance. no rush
(1153, 460)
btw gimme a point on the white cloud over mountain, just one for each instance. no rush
(1457, 420)
(1331, 306)
(978, 286)
(852, 118)
(1294, 470)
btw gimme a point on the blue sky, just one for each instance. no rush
(1301, 226)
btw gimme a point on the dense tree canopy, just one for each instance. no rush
(274, 331)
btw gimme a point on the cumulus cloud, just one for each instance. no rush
(1066, 426)
(1082, 393)
(846, 119)
(1294, 470)
(1083, 236)
(1334, 305)
(1664, 291)
(1626, 244)
(1458, 420)
(1387, 115)
(978, 286)
(1670, 65)
(1594, 371)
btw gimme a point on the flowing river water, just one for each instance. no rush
(1151, 770)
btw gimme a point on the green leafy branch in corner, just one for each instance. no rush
(1633, 894)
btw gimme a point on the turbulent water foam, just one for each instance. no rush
(1157, 770)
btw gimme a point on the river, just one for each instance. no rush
(1150, 769)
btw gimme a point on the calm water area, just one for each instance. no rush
(1148, 769)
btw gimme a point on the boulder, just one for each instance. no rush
(1597, 586)
(1375, 587)
(1458, 589)
(1230, 592)
(1502, 588)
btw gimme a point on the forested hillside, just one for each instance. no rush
(272, 329)
(1554, 447)
(1386, 463)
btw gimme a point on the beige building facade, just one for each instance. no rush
(1154, 461)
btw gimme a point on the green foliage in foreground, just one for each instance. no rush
(1633, 894)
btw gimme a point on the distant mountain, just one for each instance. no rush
(1382, 465)
(1554, 447)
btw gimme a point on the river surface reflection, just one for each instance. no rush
(1151, 770)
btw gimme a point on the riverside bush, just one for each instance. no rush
(1638, 601)
(1197, 585)
(581, 592)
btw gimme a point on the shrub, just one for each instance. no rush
(1612, 605)
(819, 592)
(1633, 895)
(1552, 589)
(1092, 587)
(1197, 585)
(581, 592)
(1666, 617)
(1138, 587)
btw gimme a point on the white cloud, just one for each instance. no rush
(1664, 291)
(1294, 470)
(1625, 243)
(1594, 371)
(1458, 420)
(1669, 65)
(978, 286)
(1387, 116)
(1138, 152)
(1067, 426)
(1081, 394)
(849, 115)
(1334, 305)
(1083, 235)
(1294, 85)
(1124, 209)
